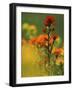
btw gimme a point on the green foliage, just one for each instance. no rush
(58, 42)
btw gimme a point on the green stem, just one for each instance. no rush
(49, 31)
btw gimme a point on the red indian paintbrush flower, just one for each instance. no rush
(49, 20)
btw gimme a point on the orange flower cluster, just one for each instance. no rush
(58, 51)
(41, 40)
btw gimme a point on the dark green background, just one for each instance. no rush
(38, 20)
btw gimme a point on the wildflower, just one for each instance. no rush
(42, 39)
(49, 20)
(58, 51)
